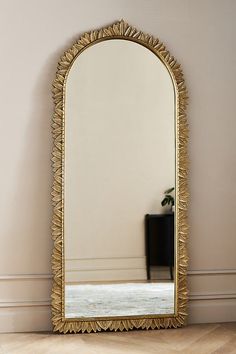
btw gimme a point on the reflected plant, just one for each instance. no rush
(168, 199)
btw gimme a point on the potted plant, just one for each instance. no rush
(169, 199)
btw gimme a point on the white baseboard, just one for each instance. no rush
(212, 295)
(33, 317)
(25, 303)
(212, 310)
(105, 269)
(25, 318)
(25, 300)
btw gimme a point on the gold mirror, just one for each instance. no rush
(120, 185)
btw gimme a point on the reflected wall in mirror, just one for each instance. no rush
(120, 165)
(119, 158)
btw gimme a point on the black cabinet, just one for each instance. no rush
(159, 233)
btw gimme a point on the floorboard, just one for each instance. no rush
(194, 339)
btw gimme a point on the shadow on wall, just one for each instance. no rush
(28, 215)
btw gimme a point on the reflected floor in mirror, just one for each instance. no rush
(124, 299)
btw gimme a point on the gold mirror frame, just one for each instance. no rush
(119, 30)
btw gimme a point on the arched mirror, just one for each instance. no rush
(120, 189)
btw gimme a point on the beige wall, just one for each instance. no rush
(201, 35)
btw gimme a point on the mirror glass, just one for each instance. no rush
(119, 241)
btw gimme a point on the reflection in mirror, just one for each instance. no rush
(119, 160)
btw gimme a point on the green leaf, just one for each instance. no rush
(169, 190)
(164, 202)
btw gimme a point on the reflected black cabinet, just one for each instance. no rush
(159, 234)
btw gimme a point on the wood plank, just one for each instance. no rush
(194, 339)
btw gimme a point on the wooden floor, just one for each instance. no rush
(199, 339)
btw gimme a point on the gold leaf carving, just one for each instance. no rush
(121, 30)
